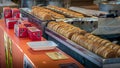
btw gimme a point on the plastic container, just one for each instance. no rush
(42, 45)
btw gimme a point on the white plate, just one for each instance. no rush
(42, 45)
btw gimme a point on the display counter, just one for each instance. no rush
(84, 56)
(18, 50)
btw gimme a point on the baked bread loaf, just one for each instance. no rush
(66, 12)
(51, 25)
(45, 14)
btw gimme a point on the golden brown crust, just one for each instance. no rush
(99, 41)
(65, 11)
(109, 53)
(116, 48)
(56, 27)
(91, 36)
(97, 51)
(51, 24)
(86, 44)
(87, 34)
(96, 47)
(74, 36)
(81, 40)
(69, 34)
(104, 42)
(45, 14)
(101, 50)
(110, 45)
(90, 46)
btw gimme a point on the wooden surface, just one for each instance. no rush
(38, 58)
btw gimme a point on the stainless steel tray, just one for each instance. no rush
(33, 19)
(101, 62)
(87, 23)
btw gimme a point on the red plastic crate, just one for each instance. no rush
(26, 23)
(20, 30)
(7, 12)
(15, 13)
(10, 22)
(34, 34)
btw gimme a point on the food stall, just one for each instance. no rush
(80, 53)
(22, 50)
(80, 34)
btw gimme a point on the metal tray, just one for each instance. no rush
(74, 21)
(68, 15)
(94, 58)
(33, 19)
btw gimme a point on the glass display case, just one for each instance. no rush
(60, 3)
(110, 6)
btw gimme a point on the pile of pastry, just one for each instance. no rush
(102, 47)
(45, 14)
(66, 12)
